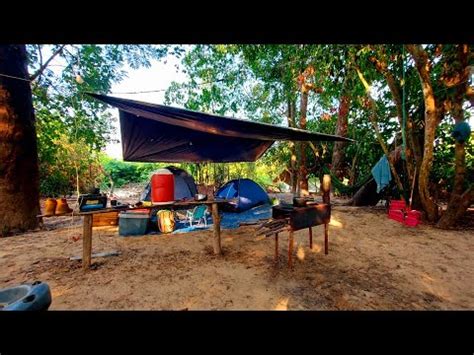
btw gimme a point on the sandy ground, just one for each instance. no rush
(373, 263)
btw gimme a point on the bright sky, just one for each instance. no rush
(158, 76)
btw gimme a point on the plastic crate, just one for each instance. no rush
(133, 222)
(413, 218)
(397, 204)
(397, 215)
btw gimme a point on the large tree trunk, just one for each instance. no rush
(431, 122)
(19, 184)
(337, 165)
(460, 199)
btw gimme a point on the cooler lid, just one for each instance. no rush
(163, 172)
(133, 215)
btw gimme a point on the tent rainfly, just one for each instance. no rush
(157, 133)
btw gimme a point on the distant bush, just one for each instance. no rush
(123, 173)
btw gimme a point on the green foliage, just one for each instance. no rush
(443, 166)
(125, 172)
(257, 82)
(67, 117)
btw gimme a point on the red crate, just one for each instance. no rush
(396, 215)
(413, 218)
(414, 214)
(397, 204)
(411, 222)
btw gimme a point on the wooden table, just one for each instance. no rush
(88, 216)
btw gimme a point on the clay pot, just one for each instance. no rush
(50, 207)
(62, 206)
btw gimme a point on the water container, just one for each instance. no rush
(133, 222)
(162, 186)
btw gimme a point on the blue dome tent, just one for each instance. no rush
(248, 193)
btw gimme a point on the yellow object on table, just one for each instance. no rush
(166, 221)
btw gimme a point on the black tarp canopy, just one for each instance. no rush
(157, 133)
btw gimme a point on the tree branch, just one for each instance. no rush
(43, 66)
(372, 118)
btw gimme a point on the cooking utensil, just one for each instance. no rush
(200, 197)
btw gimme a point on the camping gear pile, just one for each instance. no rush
(399, 212)
(27, 297)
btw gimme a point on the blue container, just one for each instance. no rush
(133, 223)
(26, 297)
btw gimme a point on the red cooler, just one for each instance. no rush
(162, 186)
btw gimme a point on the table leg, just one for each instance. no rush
(87, 242)
(310, 238)
(290, 249)
(276, 247)
(217, 229)
(326, 230)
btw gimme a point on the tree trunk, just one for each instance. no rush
(373, 120)
(303, 169)
(19, 175)
(431, 122)
(460, 199)
(459, 203)
(293, 160)
(337, 165)
(396, 91)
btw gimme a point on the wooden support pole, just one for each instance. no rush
(276, 247)
(326, 242)
(326, 188)
(290, 249)
(87, 241)
(310, 238)
(217, 229)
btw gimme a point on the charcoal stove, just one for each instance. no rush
(291, 218)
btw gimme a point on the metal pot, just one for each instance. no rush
(200, 197)
(299, 201)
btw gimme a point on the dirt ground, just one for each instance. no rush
(373, 263)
